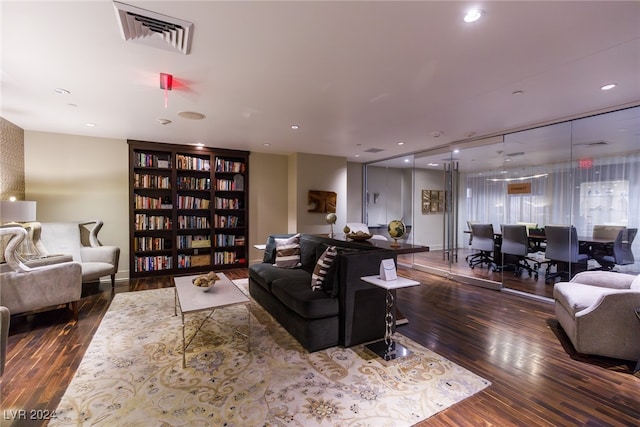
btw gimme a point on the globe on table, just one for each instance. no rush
(331, 219)
(396, 229)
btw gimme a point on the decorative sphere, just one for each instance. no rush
(346, 229)
(396, 229)
(331, 218)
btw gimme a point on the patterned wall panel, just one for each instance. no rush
(11, 161)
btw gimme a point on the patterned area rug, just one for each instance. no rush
(132, 374)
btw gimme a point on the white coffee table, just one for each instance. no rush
(193, 299)
(387, 348)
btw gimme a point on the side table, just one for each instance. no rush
(387, 348)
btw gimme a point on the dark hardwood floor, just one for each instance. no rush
(514, 342)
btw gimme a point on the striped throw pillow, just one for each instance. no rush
(288, 252)
(321, 269)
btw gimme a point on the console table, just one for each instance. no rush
(387, 348)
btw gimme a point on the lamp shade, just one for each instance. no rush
(17, 211)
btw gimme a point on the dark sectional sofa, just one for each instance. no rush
(346, 312)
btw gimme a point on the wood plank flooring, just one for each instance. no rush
(537, 378)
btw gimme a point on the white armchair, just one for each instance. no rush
(24, 289)
(596, 309)
(80, 240)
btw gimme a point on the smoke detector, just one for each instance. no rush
(153, 29)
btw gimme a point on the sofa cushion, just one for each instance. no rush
(321, 270)
(288, 252)
(264, 274)
(575, 297)
(299, 297)
(270, 247)
(636, 283)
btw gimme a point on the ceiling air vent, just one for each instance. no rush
(373, 150)
(153, 29)
(592, 144)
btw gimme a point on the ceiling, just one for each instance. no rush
(354, 76)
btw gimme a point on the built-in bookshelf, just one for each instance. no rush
(188, 209)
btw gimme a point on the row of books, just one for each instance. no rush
(149, 244)
(225, 257)
(225, 221)
(152, 263)
(192, 163)
(228, 240)
(146, 202)
(190, 202)
(223, 165)
(191, 221)
(228, 185)
(189, 241)
(152, 222)
(150, 160)
(193, 183)
(224, 203)
(143, 180)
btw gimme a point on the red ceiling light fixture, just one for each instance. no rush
(166, 83)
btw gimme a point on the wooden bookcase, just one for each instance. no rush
(188, 209)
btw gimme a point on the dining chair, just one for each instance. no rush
(483, 242)
(562, 251)
(620, 252)
(515, 242)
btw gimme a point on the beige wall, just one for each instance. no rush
(77, 178)
(268, 176)
(317, 172)
(355, 187)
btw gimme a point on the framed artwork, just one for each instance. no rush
(433, 201)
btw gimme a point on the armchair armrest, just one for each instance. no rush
(604, 279)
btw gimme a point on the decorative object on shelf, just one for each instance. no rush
(322, 201)
(346, 229)
(396, 229)
(331, 219)
(359, 236)
(206, 281)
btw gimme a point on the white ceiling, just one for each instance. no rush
(354, 75)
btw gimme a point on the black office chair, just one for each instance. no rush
(515, 242)
(483, 243)
(562, 251)
(620, 252)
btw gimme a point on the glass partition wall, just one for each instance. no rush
(582, 173)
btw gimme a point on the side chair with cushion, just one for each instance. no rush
(483, 242)
(596, 309)
(24, 289)
(80, 240)
(620, 252)
(563, 252)
(515, 242)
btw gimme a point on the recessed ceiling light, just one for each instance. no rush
(357, 155)
(266, 144)
(295, 127)
(406, 160)
(456, 151)
(91, 125)
(191, 115)
(608, 86)
(199, 144)
(473, 15)
(432, 164)
(400, 143)
(61, 91)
